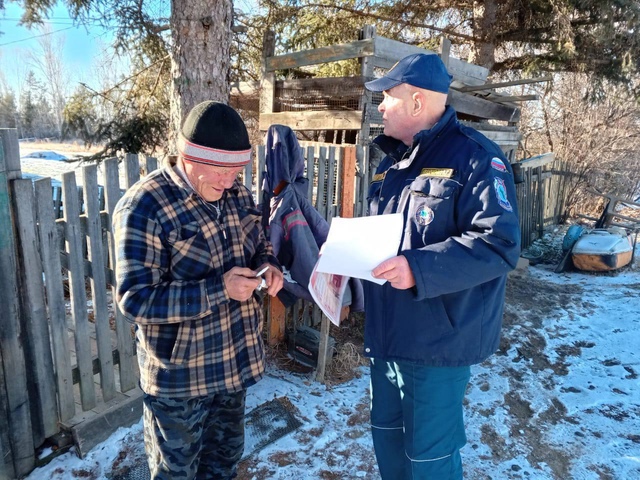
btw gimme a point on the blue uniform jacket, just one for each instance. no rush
(296, 229)
(461, 237)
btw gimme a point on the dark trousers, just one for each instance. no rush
(417, 420)
(194, 438)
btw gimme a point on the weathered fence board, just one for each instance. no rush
(113, 193)
(35, 327)
(15, 399)
(77, 291)
(333, 53)
(49, 246)
(95, 255)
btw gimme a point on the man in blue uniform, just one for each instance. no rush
(440, 310)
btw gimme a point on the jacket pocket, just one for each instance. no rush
(431, 210)
(190, 253)
(182, 344)
(168, 343)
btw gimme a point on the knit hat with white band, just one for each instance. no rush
(214, 134)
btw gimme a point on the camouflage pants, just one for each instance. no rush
(195, 438)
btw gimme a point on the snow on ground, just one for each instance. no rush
(559, 400)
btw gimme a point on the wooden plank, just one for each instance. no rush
(366, 71)
(348, 176)
(16, 401)
(445, 51)
(268, 78)
(276, 317)
(350, 86)
(333, 53)
(131, 165)
(260, 169)
(491, 86)
(49, 248)
(96, 428)
(321, 205)
(514, 98)
(537, 161)
(310, 162)
(95, 255)
(481, 108)
(150, 164)
(247, 177)
(11, 146)
(388, 52)
(324, 357)
(35, 328)
(73, 238)
(502, 138)
(314, 120)
(128, 377)
(332, 165)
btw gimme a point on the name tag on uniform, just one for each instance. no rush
(378, 177)
(437, 172)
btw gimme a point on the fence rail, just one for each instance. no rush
(67, 355)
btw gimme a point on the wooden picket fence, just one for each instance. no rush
(67, 362)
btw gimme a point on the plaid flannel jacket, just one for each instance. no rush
(192, 339)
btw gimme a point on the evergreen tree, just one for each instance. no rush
(8, 110)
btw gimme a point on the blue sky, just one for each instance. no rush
(81, 44)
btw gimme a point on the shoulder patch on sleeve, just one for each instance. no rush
(498, 165)
(501, 194)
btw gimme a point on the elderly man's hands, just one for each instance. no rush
(241, 282)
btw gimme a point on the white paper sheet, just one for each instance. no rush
(355, 246)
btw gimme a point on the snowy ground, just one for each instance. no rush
(560, 399)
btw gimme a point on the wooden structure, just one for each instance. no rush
(343, 105)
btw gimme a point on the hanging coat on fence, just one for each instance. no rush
(296, 229)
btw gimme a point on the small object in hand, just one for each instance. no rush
(263, 284)
(261, 272)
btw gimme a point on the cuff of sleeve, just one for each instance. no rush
(216, 291)
(420, 288)
(270, 259)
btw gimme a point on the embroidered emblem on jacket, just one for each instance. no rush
(501, 194)
(498, 165)
(378, 177)
(424, 216)
(437, 172)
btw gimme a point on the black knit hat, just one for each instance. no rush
(213, 133)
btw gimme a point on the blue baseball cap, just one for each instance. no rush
(420, 70)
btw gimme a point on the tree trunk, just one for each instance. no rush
(484, 26)
(200, 59)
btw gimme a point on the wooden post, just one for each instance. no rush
(323, 350)
(14, 400)
(348, 176)
(276, 316)
(268, 82)
(445, 50)
(366, 71)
